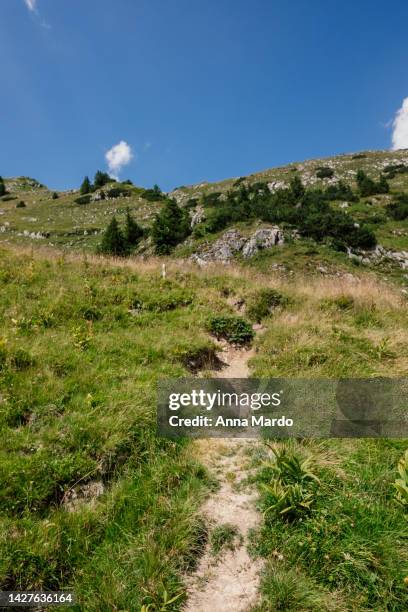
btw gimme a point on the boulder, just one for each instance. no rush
(223, 249)
(265, 238)
(198, 260)
(97, 196)
(232, 242)
(228, 245)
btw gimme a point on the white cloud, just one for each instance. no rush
(400, 127)
(31, 5)
(117, 157)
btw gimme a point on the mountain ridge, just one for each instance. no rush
(30, 213)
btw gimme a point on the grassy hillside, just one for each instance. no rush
(66, 221)
(92, 499)
(87, 487)
(73, 222)
(60, 221)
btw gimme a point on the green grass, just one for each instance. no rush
(340, 335)
(342, 543)
(224, 537)
(82, 345)
(63, 222)
(71, 226)
(348, 552)
(235, 330)
(77, 405)
(262, 302)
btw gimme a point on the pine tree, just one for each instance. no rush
(383, 186)
(101, 178)
(368, 187)
(133, 231)
(170, 227)
(360, 176)
(113, 241)
(86, 186)
(297, 188)
(2, 187)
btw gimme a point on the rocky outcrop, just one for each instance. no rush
(98, 196)
(224, 249)
(378, 254)
(233, 242)
(264, 238)
(23, 183)
(36, 235)
(181, 197)
(276, 185)
(197, 215)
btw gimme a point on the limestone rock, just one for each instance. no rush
(197, 215)
(378, 254)
(97, 196)
(264, 238)
(276, 185)
(233, 242)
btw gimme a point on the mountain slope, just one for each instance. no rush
(94, 500)
(64, 222)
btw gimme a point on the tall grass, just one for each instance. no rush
(83, 341)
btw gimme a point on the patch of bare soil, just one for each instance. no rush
(228, 582)
(86, 493)
(235, 361)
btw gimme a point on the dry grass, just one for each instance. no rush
(365, 287)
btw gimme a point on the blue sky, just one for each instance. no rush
(199, 90)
